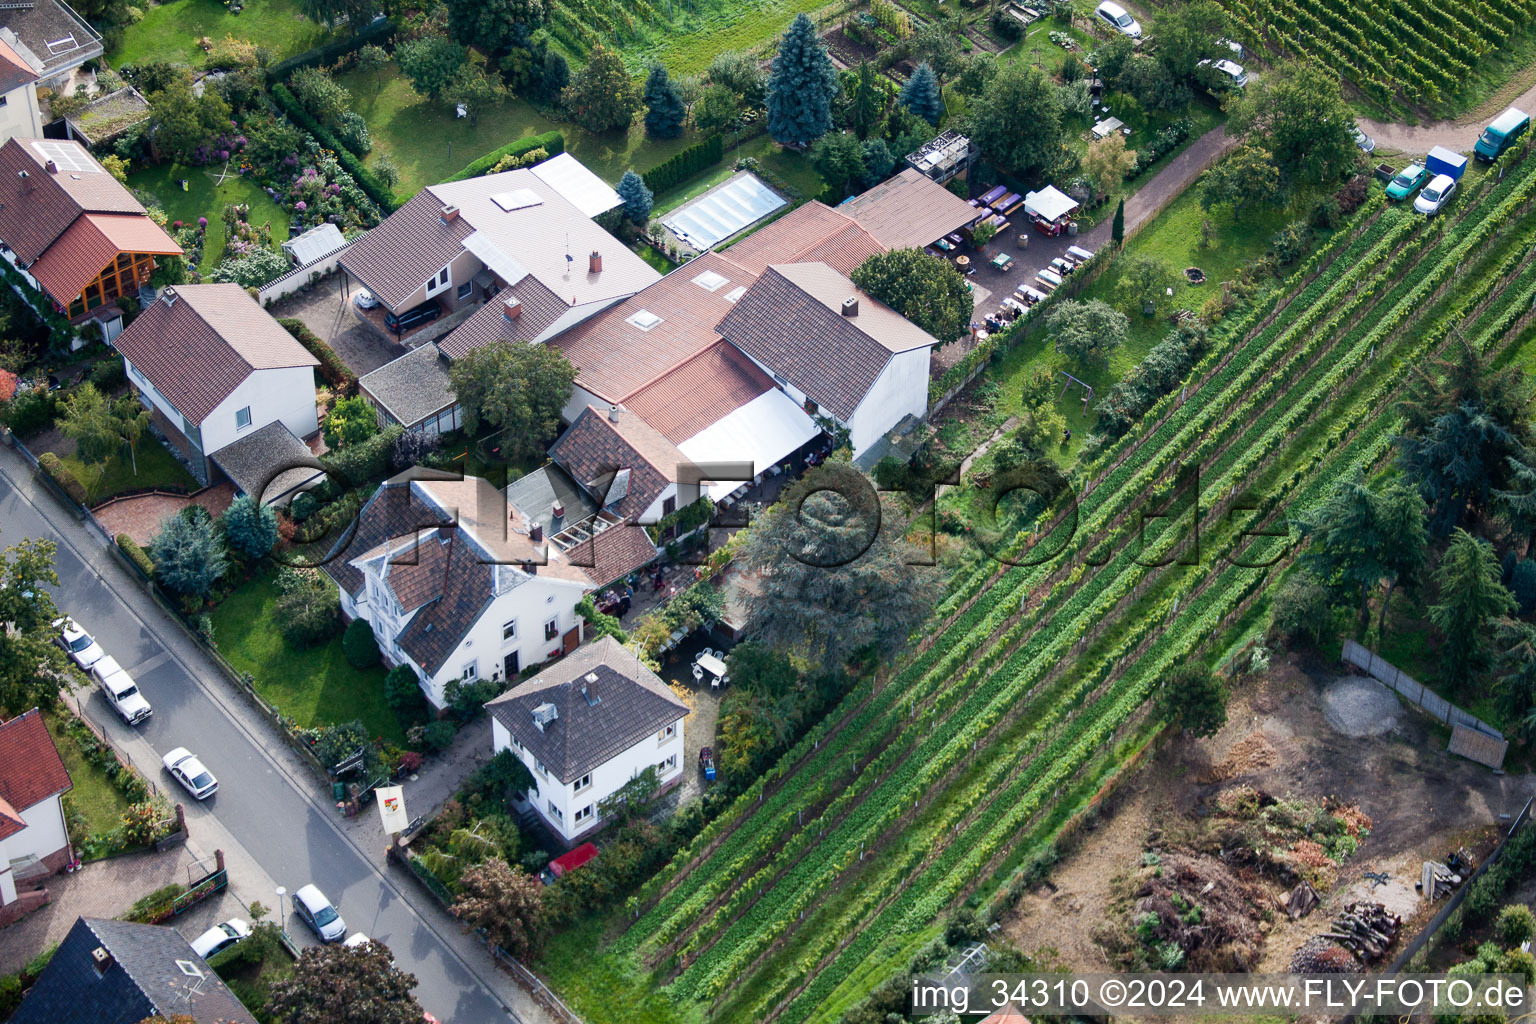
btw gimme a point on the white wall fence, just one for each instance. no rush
(1435, 705)
(298, 278)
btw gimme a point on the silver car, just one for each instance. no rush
(186, 769)
(1364, 141)
(81, 647)
(1433, 196)
(220, 937)
(1119, 19)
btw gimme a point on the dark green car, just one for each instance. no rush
(1408, 179)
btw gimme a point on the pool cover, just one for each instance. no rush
(739, 202)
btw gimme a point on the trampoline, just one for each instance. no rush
(738, 203)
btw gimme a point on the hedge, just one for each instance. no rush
(50, 464)
(685, 163)
(330, 52)
(336, 373)
(552, 142)
(136, 554)
(365, 461)
(365, 178)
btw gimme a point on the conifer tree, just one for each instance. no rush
(801, 88)
(920, 95)
(664, 111)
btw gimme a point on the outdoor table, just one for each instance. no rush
(677, 636)
(1002, 261)
(711, 664)
(1103, 128)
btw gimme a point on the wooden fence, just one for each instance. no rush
(1471, 737)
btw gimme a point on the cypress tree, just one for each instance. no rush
(664, 111)
(1117, 229)
(920, 95)
(801, 88)
(637, 198)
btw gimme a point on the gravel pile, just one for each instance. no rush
(1358, 706)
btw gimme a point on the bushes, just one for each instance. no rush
(358, 644)
(50, 464)
(109, 374)
(365, 461)
(155, 907)
(136, 555)
(403, 692)
(685, 163)
(335, 372)
(552, 143)
(375, 34)
(307, 608)
(366, 179)
(30, 411)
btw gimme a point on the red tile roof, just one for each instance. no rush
(613, 553)
(909, 211)
(14, 72)
(813, 232)
(90, 244)
(594, 448)
(615, 359)
(38, 208)
(198, 348)
(30, 767)
(700, 392)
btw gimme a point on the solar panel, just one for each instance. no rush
(68, 157)
(517, 199)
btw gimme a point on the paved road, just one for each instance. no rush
(1460, 136)
(266, 816)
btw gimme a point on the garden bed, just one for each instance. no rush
(98, 805)
(204, 197)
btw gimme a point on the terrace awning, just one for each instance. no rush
(1049, 203)
(762, 432)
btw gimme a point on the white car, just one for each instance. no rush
(1232, 45)
(186, 769)
(1364, 141)
(80, 645)
(120, 690)
(319, 913)
(220, 937)
(1433, 196)
(1118, 18)
(364, 299)
(1232, 71)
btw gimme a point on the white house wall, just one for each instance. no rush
(900, 390)
(20, 117)
(578, 402)
(607, 778)
(286, 394)
(45, 833)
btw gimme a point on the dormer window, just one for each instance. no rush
(439, 281)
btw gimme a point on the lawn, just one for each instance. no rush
(792, 167)
(204, 198)
(428, 143)
(170, 31)
(93, 796)
(317, 686)
(157, 467)
(1036, 47)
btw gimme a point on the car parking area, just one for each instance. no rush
(327, 310)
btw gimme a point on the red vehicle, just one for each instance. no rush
(568, 862)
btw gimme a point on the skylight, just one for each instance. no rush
(517, 199)
(735, 293)
(644, 319)
(711, 281)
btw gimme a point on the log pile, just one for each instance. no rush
(1319, 955)
(1365, 929)
(1300, 901)
(1437, 881)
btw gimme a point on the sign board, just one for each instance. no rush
(392, 808)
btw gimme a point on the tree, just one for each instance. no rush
(1244, 179)
(350, 421)
(402, 691)
(1117, 228)
(929, 292)
(1110, 58)
(1107, 162)
(517, 387)
(739, 72)
(250, 526)
(689, 89)
(1017, 121)
(1517, 503)
(878, 162)
(1194, 698)
(1296, 112)
(936, 47)
(430, 62)
(638, 199)
(33, 669)
(1187, 34)
(556, 77)
(866, 104)
(132, 420)
(1515, 668)
(717, 107)
(321, 95)
(840, 583)
(344, 984)
(1150, 83)
(601, 97)
(359, 645)
(355, 13)
(1360, 537)
(1466, 425)
(1144, 282)
(475, 90)
(977, 74)
(180, 121)
(88, 421)
(493, 25)
(664, 111)
(1471, 598)
(506, 902)
(839, 158)
(801, 87)
(1302, 611)
(307, 606)
(1515, 925)
(920, 94)
(189, 557)
(1088, 330)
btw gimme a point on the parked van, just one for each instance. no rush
(1504, 132)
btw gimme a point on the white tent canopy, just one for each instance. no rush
(762, 432)
(1048, 204)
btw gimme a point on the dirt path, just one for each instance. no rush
(1459, 135)
(1166, 185)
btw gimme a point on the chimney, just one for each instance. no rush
(168, 295)
(557, 510)
(851, 306)
(613, 413)
(52, 167)
(450, 214)
(512, 308)
(102, 960)
(536, 532)
(595, 262)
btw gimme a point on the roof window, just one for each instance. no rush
(644, 319)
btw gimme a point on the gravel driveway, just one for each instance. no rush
(328, 312)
